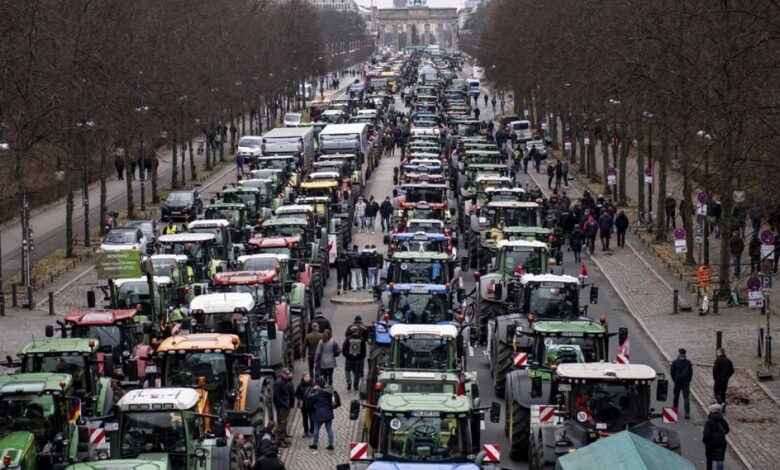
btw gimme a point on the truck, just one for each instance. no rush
(38, 421)
(291, 141)
(350, 139)
(595, 400)
(423, 431)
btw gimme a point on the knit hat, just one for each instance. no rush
(715, 407)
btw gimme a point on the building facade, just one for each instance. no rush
(340, 5)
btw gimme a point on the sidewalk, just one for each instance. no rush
(646, 290)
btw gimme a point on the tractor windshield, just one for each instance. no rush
(65, 363)
(27, 412)
(432, 195)
(562, 349)
(421, 272)
(618, 404)
(264, 263)
(424, 353)
(530, 261)
(513, 217)
(131, 294)
(418, 308)
(197, 369)
(558, 301)
(195, 252)
(283, 230)
(243, 198)
(158, 431)
(425, 439)
(108, 336)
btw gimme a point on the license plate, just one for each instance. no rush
(9, 371)
(150, 369)
(419, 290)
(175, 212)
(111, 427)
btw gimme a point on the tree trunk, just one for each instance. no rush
(554, 130)
(69, 242)
(174, 161)
(663, 161)
(193, 166)
(155, 166)
(622, 166)
(129, 184)
(688, 213)
(640, 164)
(727, 207)
(183, 161)
(103, 188)
(208, 152)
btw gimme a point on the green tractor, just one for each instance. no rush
(223, 248)
(204, 254)
(528, 370)
(38, 421)
(237, 214)
(425, 431)
(494, 222)
(258, 202)
(154, 297)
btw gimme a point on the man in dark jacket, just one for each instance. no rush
(362, 330)
(754, 250)
(605, 229)
(714, 438)
(736, 247)
(550, 175)
(670, 204)
(323, 322)
(386, 211)
(721, 373)
(621, 225)
(323, 413)
(364, 261)
(575, 242)
(354, 267)
(682, 374)
(354, 350)
(119, 164)
(342, 273)
(283, 401)
(558, 174)
(266, 444)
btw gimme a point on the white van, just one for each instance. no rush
(522, 130)
(474, 86)
(479, 73)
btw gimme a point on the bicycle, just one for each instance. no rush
(642, 223)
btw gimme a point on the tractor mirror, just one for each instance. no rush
(594, 295)
(83, 433)
(147, 328)
(49, 331)
(199, 272)
(510, 332)
(495, 412)
(453, 211)
(622, 335)
(386, 240)
(662, 390)
(363, 391)
(271, 330)
(354, 410)
(255, 371)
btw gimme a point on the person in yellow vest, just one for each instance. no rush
(171, 228)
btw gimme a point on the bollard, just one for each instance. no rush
(763, 307)
(715, 295)
(91, 299)
(760, 341)
(675, 301)
(29, 299)
(51, 303)
(2, 304)
(14, 302)
(718, 340)
(768, 355)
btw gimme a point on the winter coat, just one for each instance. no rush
(323, 405)
(360, 209)
(326, 354)
(386, 209)
(364, 259)
(670, 204)
(621, 222)
(311, 341)
(736, 245)
(342, 265)
(576, 240)
(558, 169)
(282, 397)
(714, 438)
(722, 370)
(682, 370)
(302, 389)
(323, 322)
(354, 348)
(354, 259)
(605, 224)
(592, 227)
(754, 248)
(550, 170)
(269, 462)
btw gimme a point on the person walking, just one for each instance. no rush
(714, 437)
(310, 343)
(682, 374)
(526, 159)
(322, 402)
(354, 267)
(550, 175)
(362, 330)
(240, 166)
(320, 320)
(605, 229)
(591, 230)
(536, 155)
(119, 164)
(342, 273)
(736, 247)
(621, 226)
(364, 262)
(131, 169)
(360, 214)
(374, 263)
(476, 113)
(303, 388)
(327, 352)
(372, 209)
(576, 241)
(284, 397)
(754, 250)
(756, 213)
(243, 454)
(722, 371)
(354, 349)
(670, 204)
(486, 100)
(558, 174)
(565, 173)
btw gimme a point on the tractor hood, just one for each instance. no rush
(421, 466)
(143, 462)
(17, 445)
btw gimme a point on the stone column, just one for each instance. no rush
(409, 34)
(454, 29)
(440, 34)
(396, 43)
(382, 38)
(427, 36)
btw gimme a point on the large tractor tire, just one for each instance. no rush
(490, 310)
(501, 363)
(289, 350)
(297, 332)
(518, 424)
(473, 247)
(316, 288)
(535, 461)
(265, 410)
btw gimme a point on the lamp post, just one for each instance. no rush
(706, 138)
(84, 124)
(4, 150)
(649, 174)
(142, 109)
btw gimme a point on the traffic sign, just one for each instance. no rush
(648, 171)
(358, 450)
(679, 233)
(669, 415)
(766, 283)
(768, 252)
(739, 196)
(768, 237)
(526, 113)
(702, 198)
(612, 171)
(546, 413)
(492, 452)
(520, 359)
(754, 284)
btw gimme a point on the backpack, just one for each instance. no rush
(593, 228)
(336, 400)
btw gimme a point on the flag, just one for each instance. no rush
(625, 348)
(75, 414)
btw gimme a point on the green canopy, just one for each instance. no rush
(623, 451)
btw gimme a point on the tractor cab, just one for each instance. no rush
(409, 195)
(160, 305)
(252, 198)
(236, 213)
(224, 249)
(411, 267)
(424, 347)
(553, 297)
(202, 252)
(419, 242)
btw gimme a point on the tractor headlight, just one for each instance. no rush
(201, 453)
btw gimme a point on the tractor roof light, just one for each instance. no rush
(531, 318)
(378, 386)
(91, 344)
(62, 386)
(386, 317)
(234, 340)
(6, 460)
(603, 319)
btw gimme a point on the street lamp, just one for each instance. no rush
(141, 110)
(649, 170)
(5, 148)
(84, 124)
(706, 138)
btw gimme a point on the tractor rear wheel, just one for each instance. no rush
(289, 350)
(501, 364)
(519, 420)
(297, 333)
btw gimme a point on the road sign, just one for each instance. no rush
(118, 264)
(611, 176)
(767, 237)
(521, 359)
(567, 145)
(768, 252)
(669, 415)
(739, 196)
(612, 170)
(701, 210)
(681, 250)
(766, 283)
(586, 137)
(526, 113)
(679, 234)
(702, 198)
(755, 299)
(754, 284)
(546, 413)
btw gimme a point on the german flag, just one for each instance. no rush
(75, 414)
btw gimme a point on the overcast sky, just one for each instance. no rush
(431, 3)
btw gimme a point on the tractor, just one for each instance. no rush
(202, 252)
